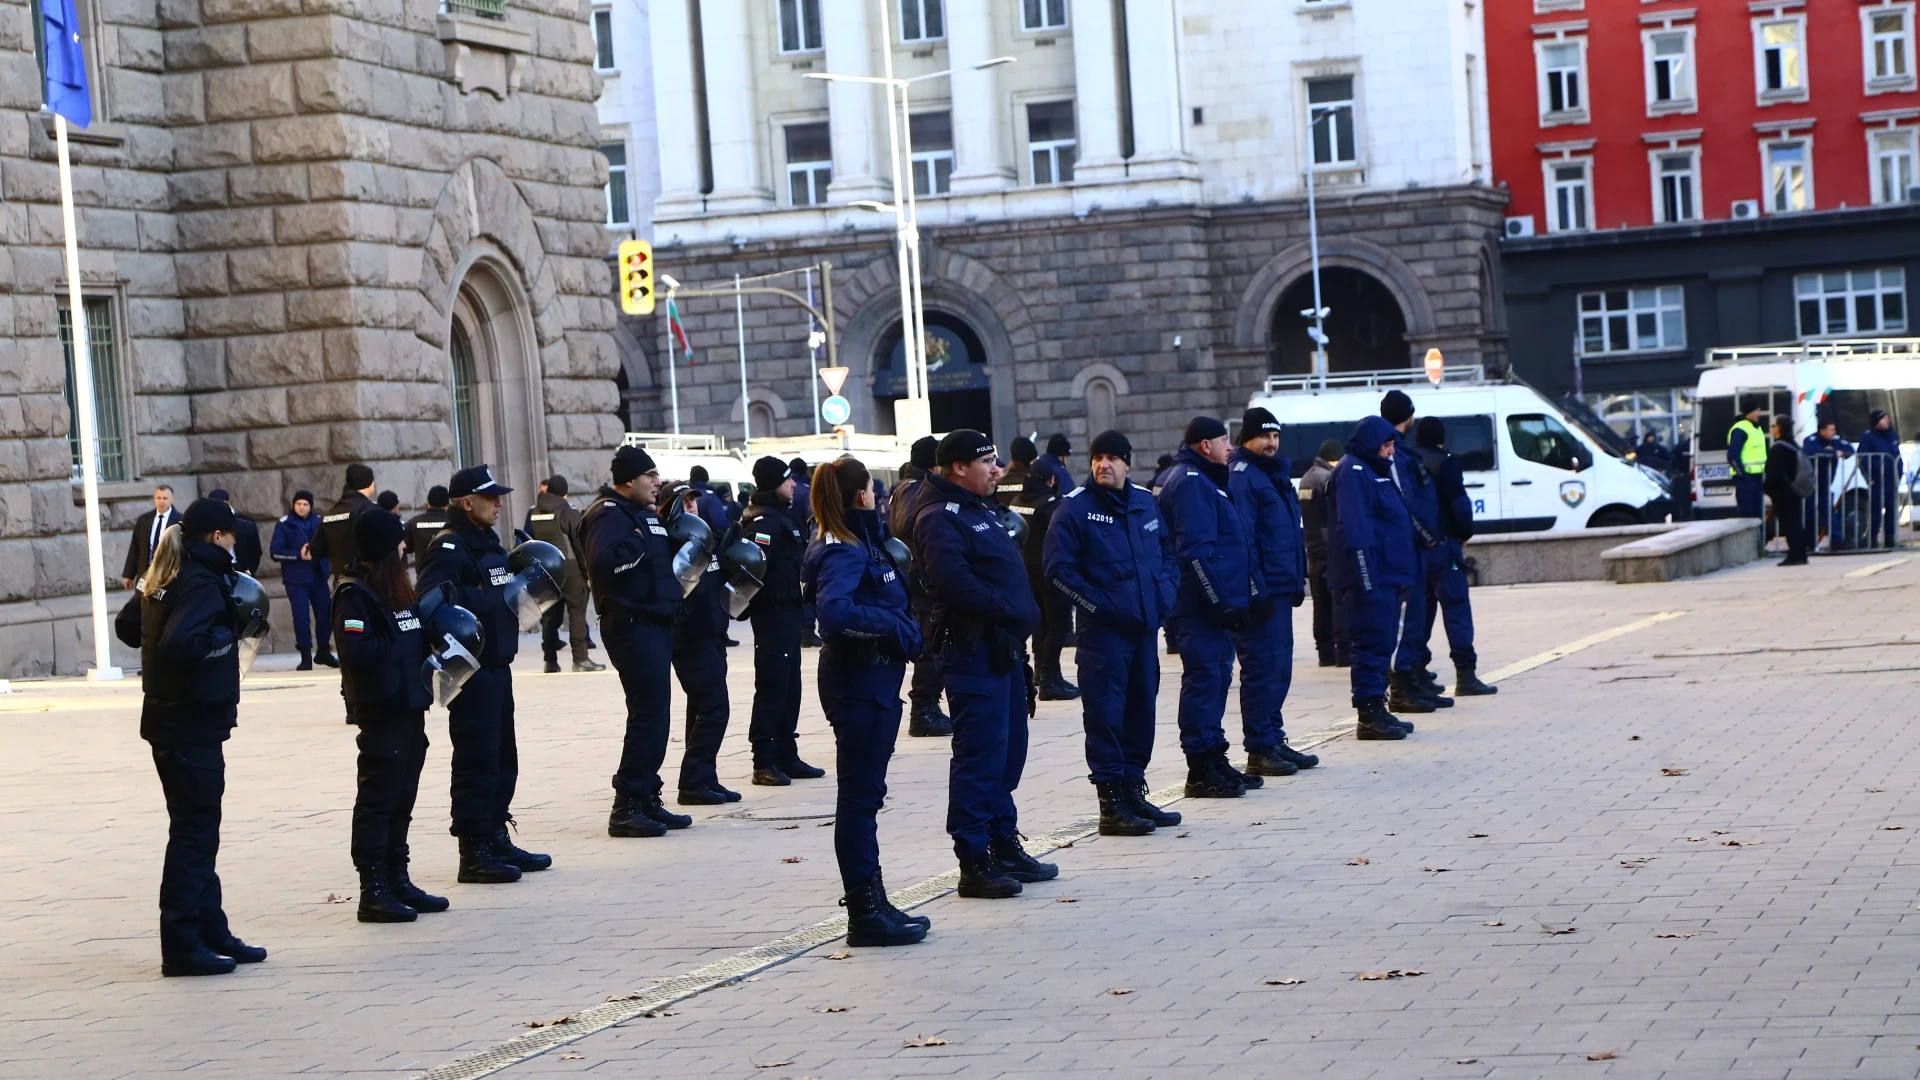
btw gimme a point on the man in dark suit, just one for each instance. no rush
(246, 534)
(146, 534)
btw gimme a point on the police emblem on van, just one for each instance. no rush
(1573, 492)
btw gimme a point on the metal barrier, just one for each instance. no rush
(1860, 504)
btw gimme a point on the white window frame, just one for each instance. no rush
(1900, 52)
(1044, 25)
(593, 22)
(921, 7)
(1762, 93)
(1585, 208)
(1050, 147)
(927, 163)
(1680, 103)
(1876, 136)
(1767, 146)
(1657, 168)
(1578, 113)
(1350, 106)
(801, 9)
(1816, 286)
(618, 174)
(1657, 302)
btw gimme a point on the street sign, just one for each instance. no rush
(836, 410)
(834, 377)
(1436, 366)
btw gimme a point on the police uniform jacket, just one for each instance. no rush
(1262, 491)
(189, 666)
(555, 521)
(382, 652)
(1370, 535)
(775, 525)
(1038, 502)
(974, 574)
(421, 529)
(335, 542)
(1219, 571)
(629, 560)
(1049, 465)
(858, 592)
(1108, 552)
(712, 509)
(1416, 488)
(901, 509)
(472, 560)
(1012, 483)
(1313, 511)
(703, 616)
(290, 534)
(1450, 486)
(1881, 472)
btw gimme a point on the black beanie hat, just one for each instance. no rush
(1113, 443)
(965, 444)
(558, 484)
(1331, 450)
(1024, 451)
(1058, 444)
(1257, 421)
(1431, 431)
(1202, 428)
(359, 477)
(206, 516)
(298, 495)
(696, 475)
(770, 473)
(436, 496)
(376, 533)
(629, 462)
(1396, 408)
(925, 450)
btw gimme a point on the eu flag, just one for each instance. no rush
(66, 63)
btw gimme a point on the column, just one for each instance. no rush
(1096, 93)
(1153, 65)
(855, 109)
(733, 114)
(981, 149)
(633, 51)
(676, 122)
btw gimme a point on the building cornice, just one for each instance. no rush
(1807, 221)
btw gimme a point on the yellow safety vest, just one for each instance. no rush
(1753, 452)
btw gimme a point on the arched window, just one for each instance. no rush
(1101, 406)
(760, 414)
(466, 414)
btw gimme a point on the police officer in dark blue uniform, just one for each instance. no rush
(480, 722)
(1883, 469)
(1106, 552)
(1410, 691)
(1054, 462)
(708, 503)
(1037, 502)
(1447, 591)
(868, 632)
(629, 560)
(925, 719)
(1220, 594)
(1370, 562)
(1261, 485)
(700, 663)
(778, 615)
(983, 612)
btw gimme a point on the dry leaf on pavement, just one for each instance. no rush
(1695, 839)
(772, 1064)
(655, 1014)
(1558, 929)
(1875, 790)
(1476, 836)
(784, 828)
(1891, 828)
(1493, 922)
(568, 1019)
(333, 898)
(834, 1008)
(1476, 1061)
(1396, 973)
(1731, 843)
(827, 824)
(1121, 991)
(1678, 934)
(625, 997)
(1285, 982)
(1435, 869)
(1181, 836)
(1358, 860)
(792, 859)
(1637, 863)
(919, 1041)
(573, 1057)
(838, 955)
(1721, 832)
(1673, 772)
(1067, 900)
(1604, 1055)
(1633, 738)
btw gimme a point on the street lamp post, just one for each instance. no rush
(1318, 313)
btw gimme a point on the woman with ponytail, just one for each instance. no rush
(869, 634)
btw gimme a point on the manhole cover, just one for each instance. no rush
(800, 812)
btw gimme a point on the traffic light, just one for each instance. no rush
(636, 277)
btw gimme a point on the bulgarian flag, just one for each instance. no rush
(679, 329)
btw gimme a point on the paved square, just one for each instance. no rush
(1711, 809)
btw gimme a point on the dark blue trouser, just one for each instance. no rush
(701, 666)
(989, 748)
(1119, 684)
(1416, 622)
(194, 779)
(862, 702)
(642, 652)
(393, 750)
(775, 721)
(1206, 670)
(305, 599)
(1447, 591)
(486, 756)
(1373, 617)
(1748, 495)
(1883, 516)
(1266, 674)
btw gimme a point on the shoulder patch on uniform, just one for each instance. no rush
(450, 545)
(953, 508)
(1075, 491)
(1151, 525)
(829, 538)
(353, 626)
(1239, 466)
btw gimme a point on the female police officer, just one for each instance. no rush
(869, 633)
(382, 651)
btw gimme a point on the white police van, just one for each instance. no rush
(1529, 466)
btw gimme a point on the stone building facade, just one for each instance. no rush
(313, 232)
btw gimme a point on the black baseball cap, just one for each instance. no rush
(965, 444)
(477, 480)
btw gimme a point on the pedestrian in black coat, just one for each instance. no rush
(1789, 505)
(779, 625)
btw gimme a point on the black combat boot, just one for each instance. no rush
(928, 722)
(1272, 763)
(1300, 758)
(629, 820)
(527, 861)
(196, 961)
(240, 951)
(873, 921)
(1404, 697)
(800, 770)
(1467, 684)
(1138, 790)
(589, 665)
(651, 806)
(1054, 686)
(1376, 723)
(306, 660)
(1327, 658)
(553, 664)
(980, 879)
(1429, 684)
(1204, 780)
(410, 894)
(769, 776)
(377, 902)
(1010, 856)
(480, 866)
(1225, 768)
(705, 795)
(1117, 815)
(880, 890)
(325, 657)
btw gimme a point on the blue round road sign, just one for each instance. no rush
(836, 410)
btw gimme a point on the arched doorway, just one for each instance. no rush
(1366, 330)
(959, 387)
(493, 378)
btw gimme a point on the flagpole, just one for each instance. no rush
(813, 355)
(103, 669)
(673, 379)
(746, 407)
